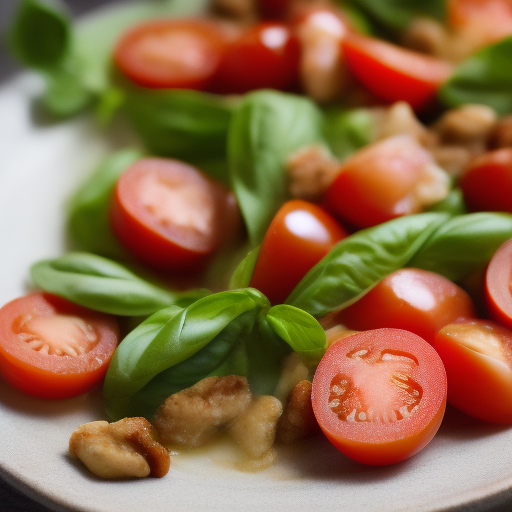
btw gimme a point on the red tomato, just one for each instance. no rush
(52, 348)
(416, 300)
(265, 56)
(170, 215)
(498, 285)
(477, 356)
(385, 180)
(274, 9)
(299, 236)
(379, 396)
(394, 73)
(487, 182)
(178, 54)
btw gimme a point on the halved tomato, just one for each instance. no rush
(394, 73)
(477, 356)
(387, 179)
(52, 348)
(177, 54)
(171, 215)
(379, 396)
(299, 236)
(416, 300)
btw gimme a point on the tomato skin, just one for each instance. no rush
(176, 54)
(498, 279)
(487, 182)
(415, 300)
(377, 183)
(265, 56)
(477, 356)
(394, 73)
(50, 375)
(368, 384)
(175, 239)
(299, 236)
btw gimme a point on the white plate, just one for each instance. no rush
(40, 166)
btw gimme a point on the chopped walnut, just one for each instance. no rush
(292, 372)
(197, 414)
(433, 187)
(453, 159)
(123, 449)
(311, 171)
(501, 135)
(426, 35)
(298, 420)
(244, 11)
(255, 429)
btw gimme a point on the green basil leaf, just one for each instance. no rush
(300, 330)
(88, 218)
(360, 261)
(184, 124)
(265, 129)
(40, 33)
(104, 285)
(463, 244)
(243, 272)
(485, 78)
(173, 337)
(349, 130)
(397, 14)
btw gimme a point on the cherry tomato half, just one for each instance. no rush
(498, 285)
(416, 300)
(264, 56)
(382, 181)
(178, 54)
(487, 182)
(52, 348)
(394, 73)
(299, 236)
(379, 396)
(170, 215)
(477, 356)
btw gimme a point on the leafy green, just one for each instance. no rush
(243, 272)
(360, 261)
(88, 219)
(484, 78)
(463, 244)
(265, 129)
(40, 33)
(453, 203)
(104, 285)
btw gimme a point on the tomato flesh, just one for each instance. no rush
(415, 300)
(174, 54)
(52, 348)
(170, 215)
(299, 236)
(265, 56)
(380, 395)
(394, 73)
(477, 356)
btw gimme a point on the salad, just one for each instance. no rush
(289, 249)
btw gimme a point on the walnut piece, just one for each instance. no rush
(298, 420)
(197, 414)
(501, 135)
(123, 449)
(255, 429)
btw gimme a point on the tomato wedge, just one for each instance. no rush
(299, 236)
(170, 215)
(498, 285)
(394, 73)
(477, 356)
(177, 54)
(52, 348)
(379, 396)
(415, 300)
(487, 182)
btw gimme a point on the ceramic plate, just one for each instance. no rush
(41, 164)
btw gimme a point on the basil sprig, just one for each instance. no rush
(485, 78)
(104, 285)
(264, 130)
